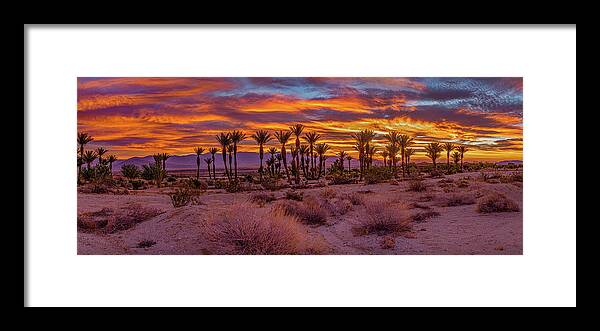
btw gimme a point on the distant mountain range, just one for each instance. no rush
(246, 160)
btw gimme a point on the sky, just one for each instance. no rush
(142, 116)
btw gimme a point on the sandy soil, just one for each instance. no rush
(458, 229)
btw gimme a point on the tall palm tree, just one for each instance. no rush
(321, 149)
(312, 138)
(208, 161)
(392, 148)
(448, 147)
(82, 140)
(230, 153)
(368, 135)
(456, 157)
(297, 131)
(261, 137)
(433, 151)
(278, 160)
(372, 151)
(225, 140)
(303, 151)
(236, 138)
(349, 158)
(158, 159)
(385, 154)
(100, 151)
(404, 142)
(359, 146)
(89, 157)
(407, 154)
(199, 151)
(111, 158)
(79, 164)
(462, 149)
(164, 157)
(213, 151)
(271, 166)
(342, 156)
(283, 137)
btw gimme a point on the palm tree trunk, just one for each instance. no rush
(198, 168)
(349, 170)
(402, 162)
(312, 162)
(208, 166)
(213, 166)
(235, 159)
(302, 164)
(320, 162)
(230, 166)
(260, 155)
(461, 163)
(283, 157)
(225, 164)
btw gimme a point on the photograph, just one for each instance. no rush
(299, 165)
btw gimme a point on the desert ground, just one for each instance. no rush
(438, 216)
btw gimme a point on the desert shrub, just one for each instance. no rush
(355, 198)
(256, 231)
(327, 193)
(337, 206)
(94, 220)
(341, 179)
(88, 174)
(145, 244)
(262, 198)
(137, 184)
(308, 211)
(129, 217)
(462, 183)
(382, 218)
(495, 203)
(195, 184)
(419, 206)
(130, 171)
(171, 179)
(388, 242)
(458, 199)
(376, 175)
(151, 171)
(417, 186)
(436, 173)
(294, 195)
(181, 197)
(513, 177)
(422, 216)
(272, 184)
(236, 186)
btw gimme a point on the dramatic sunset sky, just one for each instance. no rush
(141, 116)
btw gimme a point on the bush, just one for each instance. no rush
(145, 243)
(355, 198)
(309, 210)
(130, 171)
(196, 184)
(327, 193)
(294, 195)
(171, 179)
(495, 203)
(382, 218)
(341, 179)
(138, 184)
(388, 242)
(272, 184)
(257, 232)
(262, 198)
(422, 216)
(458, 200)
(181, 197)
(376, 175)
(107, 220)
(417, 186)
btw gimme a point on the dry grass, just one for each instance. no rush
(145, 243)
(262, 198)
(417, 186)
(496, 203)
(355, 198)
(257, 232)
(421, 217)
(107, 220)
(458, 199)
(294, 195)
(388, 242)
(309, 211)
(328, 193)
(383, 218)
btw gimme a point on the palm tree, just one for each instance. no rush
(278, 159)
(448, 147)
(164, 157)
(392, 148)
(456, 157)
(433, 151)
(312, 138)
(79, 164)
(297, 131)
(236, 137)
(349, 158)
(111, 158)
(213, 151)
(407, 154)
(100, 151)
(89, 157)
(404, 142)
(303, 151)
(271, 166)
(199, 151)
(385, 154)
(372, 151)
(208, 161)
(368, 137)
(283, 137)
(462, 149)
(83, 139)
(321, 149)
(261, 137)
(230, 153)
(225, 140)
(342, 156)
(157, 168)
(360, 147)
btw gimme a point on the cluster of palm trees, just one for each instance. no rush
(89, 156)
(308, 158)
